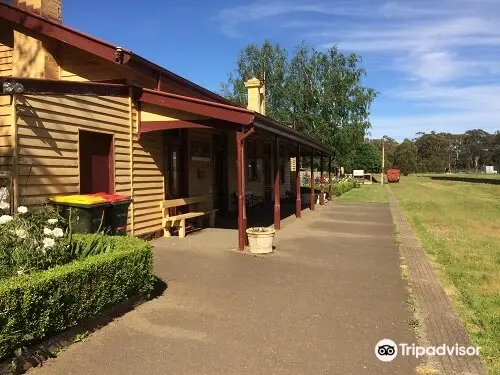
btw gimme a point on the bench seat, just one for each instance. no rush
(179, 221)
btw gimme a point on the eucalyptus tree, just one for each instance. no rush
(318, 93)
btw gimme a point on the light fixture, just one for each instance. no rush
(12, 88)
(18, 88)
(7, 88)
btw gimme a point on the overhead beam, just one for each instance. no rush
(36, 86)
(151, 126)
(205, 108)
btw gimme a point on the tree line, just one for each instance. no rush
(443, 152)
(321, 94)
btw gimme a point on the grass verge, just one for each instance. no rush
(374, 193)
(458, 224)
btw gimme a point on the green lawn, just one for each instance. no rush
(471, 175)
(458, 224)
(374, 193)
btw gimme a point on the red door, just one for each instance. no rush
(96, 163)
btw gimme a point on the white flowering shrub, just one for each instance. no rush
(32, 240)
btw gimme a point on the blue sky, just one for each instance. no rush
(436, 63)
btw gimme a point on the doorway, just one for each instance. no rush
(96, 162)
(175, 146)
(220, 184)
(268, 180)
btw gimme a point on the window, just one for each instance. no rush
(172, 168)
(96, 162)
(253, 164)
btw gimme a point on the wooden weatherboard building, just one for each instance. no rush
(80, 115)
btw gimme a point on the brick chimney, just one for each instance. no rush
(48, 8)
(256, 95)
(35, 58)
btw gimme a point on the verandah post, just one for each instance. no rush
(330, 191)
(277, 207)
(243, 188)
(241, 202)
(312, 181)
(321, 196)
(298, 200)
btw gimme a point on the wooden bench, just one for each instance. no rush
(173, 220)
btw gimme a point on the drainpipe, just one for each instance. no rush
(277, 207)
(240, 175)
(298, 200)
(312, 180)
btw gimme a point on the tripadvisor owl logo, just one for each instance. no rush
(386, 350)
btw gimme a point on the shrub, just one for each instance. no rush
(32, 240)
(35, 305)
(39, 239)
(342, 187)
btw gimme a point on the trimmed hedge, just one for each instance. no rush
(343, 187)
(38, 304)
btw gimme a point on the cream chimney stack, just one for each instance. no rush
(256, 95)
(34, 58)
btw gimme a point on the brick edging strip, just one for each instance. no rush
(439, 322)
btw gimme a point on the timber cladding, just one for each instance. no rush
(47, 142)
(6, 50)
(5, 133)
(148, 182)
(48, 151)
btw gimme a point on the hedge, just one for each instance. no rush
(343, 187)
(35, 305)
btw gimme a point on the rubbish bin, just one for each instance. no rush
(87, 214)
(116, 214)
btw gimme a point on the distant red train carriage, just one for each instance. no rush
(393, 175)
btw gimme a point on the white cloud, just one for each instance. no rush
(444, 54)
(400, 127)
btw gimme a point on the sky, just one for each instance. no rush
(435, 63)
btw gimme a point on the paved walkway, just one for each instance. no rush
(318, 305)
(440, 324)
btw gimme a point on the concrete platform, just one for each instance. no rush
(317, 305)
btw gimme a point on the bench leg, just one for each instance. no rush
(166, 229)
(182, 228)
(212, 220)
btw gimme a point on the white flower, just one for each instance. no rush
(21, 233)
(52, 221)
(48, 242)
(4, 194)
(5, 219)
(20, 271)
(22, 209)
(57, 232)
(4, 205)
(47, 231)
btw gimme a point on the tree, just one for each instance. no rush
(390, 146)
(476, 148)
(368, 157)
(318, 93)
(434, 152)
(405, 157)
